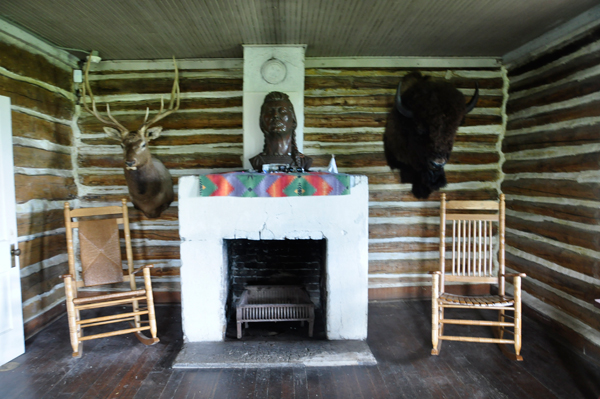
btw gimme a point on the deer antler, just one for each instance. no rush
(162, 113)
(112, 122)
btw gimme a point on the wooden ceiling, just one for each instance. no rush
(159, 29)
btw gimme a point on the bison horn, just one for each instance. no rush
(399, 106)
(471, 104)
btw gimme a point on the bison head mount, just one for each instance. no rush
(420, 130)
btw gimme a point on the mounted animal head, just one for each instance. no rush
(134, 143)
(149, 182)
(421, 128)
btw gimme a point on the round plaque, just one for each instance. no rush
(273, 71)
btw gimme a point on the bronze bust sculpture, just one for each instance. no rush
(278, 124)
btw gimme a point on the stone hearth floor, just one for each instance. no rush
(257, 354)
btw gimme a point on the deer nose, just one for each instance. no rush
(130, 163)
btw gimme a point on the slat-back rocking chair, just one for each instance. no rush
(473, 253)
(100, 257)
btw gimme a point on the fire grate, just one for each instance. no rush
(263, 303)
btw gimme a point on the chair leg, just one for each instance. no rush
(435, 316)
(517, 285)
(74, 329)
(151, 313)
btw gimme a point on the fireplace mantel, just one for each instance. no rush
(205, 222)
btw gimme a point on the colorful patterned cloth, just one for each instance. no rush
(254, 184)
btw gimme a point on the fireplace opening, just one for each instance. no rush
(295, 263)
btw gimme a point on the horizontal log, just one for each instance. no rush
(191, 120)
(342, 138)
(157, 234)
(155, 252)
(403, 266)
(38, 222)
(41, 248)
(42, 281)
(106, 198)
(24, 125)
(380, 100)
(394, 71)
(554, 94)
(148, 85)
(566, 164)
(403, 247)
(556, 53)
(44, 187)
(586, 110)
(552, 188)
(397, 211)
(579, 312)
(574, 136)
(391, 230)
(36, 98)
(170, 214)
(30, 157)
(180, 161)
(168, 140)
(454, 176)
(35, 66)
(566, 258)
(373, 119)
(371, 137)
(154, 104)
(378, 159)
(37, 307)
(557, 73)
(397, 195)
(556, 231)
(578, 288)
(573, 213)
(390, 82)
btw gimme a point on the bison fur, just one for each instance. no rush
(420, 131)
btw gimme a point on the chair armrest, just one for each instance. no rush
(514, 275)
(436, 272)
(139, 269)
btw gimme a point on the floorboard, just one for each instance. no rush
(399, 337)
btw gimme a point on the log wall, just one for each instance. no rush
(205, 135)
(345, 115)
(552, 176)
(43, 104)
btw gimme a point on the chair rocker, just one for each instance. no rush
(100, 258)
(473, 256)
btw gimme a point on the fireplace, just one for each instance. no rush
(209, 226)
(295, 264)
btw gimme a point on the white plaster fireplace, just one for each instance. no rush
(206, 222)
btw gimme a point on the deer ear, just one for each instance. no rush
(153, 132)
(112, 132)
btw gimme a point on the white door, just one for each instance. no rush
(12, 341)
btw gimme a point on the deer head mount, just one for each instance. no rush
(148, 180)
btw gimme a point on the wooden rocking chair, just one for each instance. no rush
(472, 262)
(100, 256)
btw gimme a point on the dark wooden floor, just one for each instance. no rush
(399, 336)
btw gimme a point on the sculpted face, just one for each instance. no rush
(277, 118)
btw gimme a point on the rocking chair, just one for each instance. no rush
(100, 257)
(472, 262)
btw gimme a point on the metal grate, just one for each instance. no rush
(262, 303)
